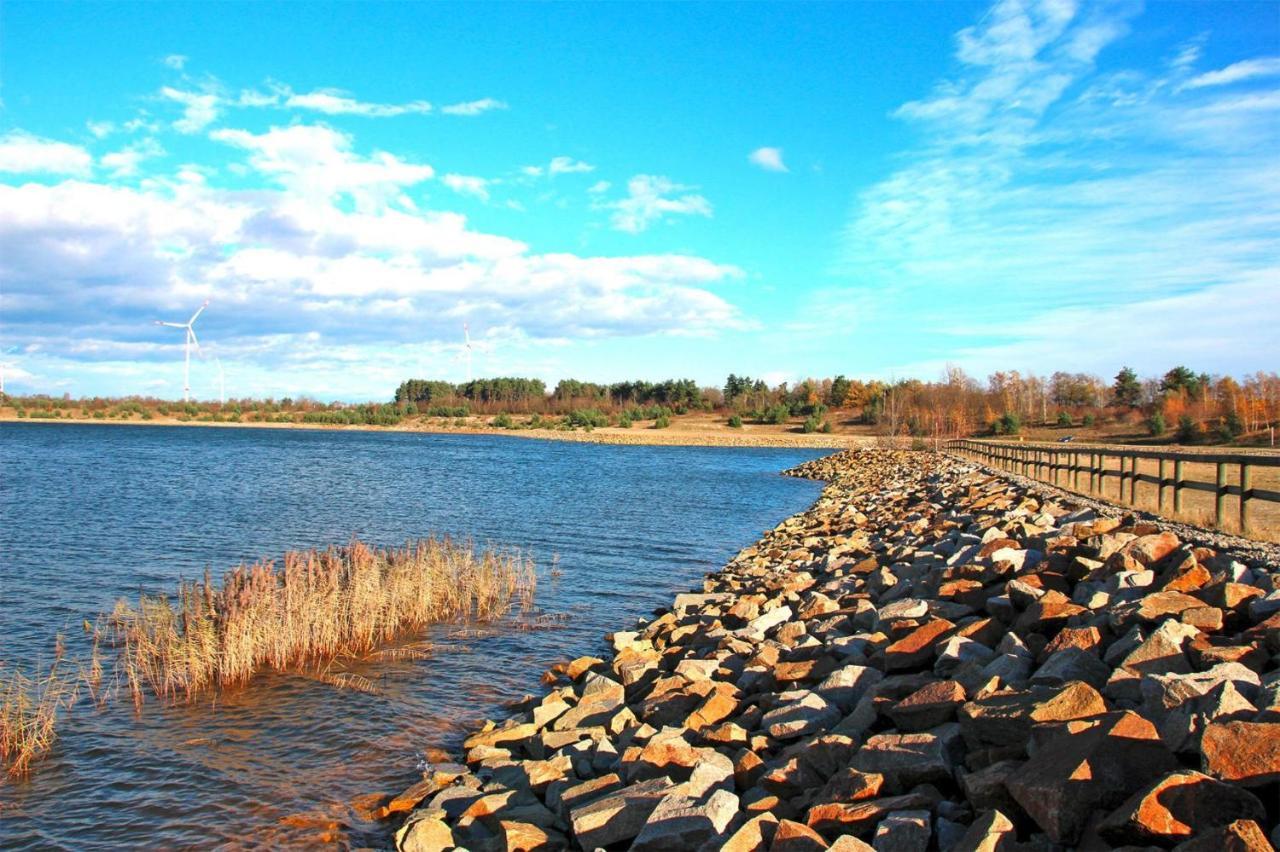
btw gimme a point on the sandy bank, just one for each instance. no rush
(679, 434)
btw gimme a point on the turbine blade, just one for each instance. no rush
(191, 331)
(171, 324)
(199, 311)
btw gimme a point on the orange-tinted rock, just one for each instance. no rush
(1075, 775)
(1194, 577)
(928, 707)
(755, 835)
(796, 837)
(916, 648)
(1150, 549)
(1240, 836)
(1247, 753)
(1084, 638)
(1161, 605)
(1178, 806)
(835, 818)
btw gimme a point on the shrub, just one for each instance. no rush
(624, 420)
(1189, 431)
(588, 418)
(1008, 423)
(1231, 427)
(735, 421)
(662, 421)
(810, 424)
(502, 421)
(826, 427)
(779, 413)
(1089, 420)
(1156, 425)
(1064, 419)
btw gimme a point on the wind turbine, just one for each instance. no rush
(190, 340)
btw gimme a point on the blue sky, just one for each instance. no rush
(612, 191)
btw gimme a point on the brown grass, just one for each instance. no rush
(29, 708)
(316, 607)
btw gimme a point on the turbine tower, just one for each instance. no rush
(190, 341)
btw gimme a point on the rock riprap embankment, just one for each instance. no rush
(929, 658)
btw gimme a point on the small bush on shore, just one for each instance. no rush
(1008, 423)
(811, 424)
(735, 421)
(1156, 425)
(502, 421)
(662, 421)
(1088, 421)
(777, 414)
(1064, 418)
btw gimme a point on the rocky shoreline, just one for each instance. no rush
(930, 657)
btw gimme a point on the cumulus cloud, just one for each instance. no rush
(26, 154)
(199, 109)
(653, 198)
(473, 107)
(317, 162)
(296, 273)
(125, 162)
(769, 159)
(477, 187)
(567, 166)
(176, 61)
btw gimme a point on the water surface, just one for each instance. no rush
(91, 513)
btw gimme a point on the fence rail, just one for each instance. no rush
(1065, 465)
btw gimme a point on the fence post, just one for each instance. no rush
(1245, 487)
(1160, 488)
(1220, 498)
(1177, 485)
(1133, 481)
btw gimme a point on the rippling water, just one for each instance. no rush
(92, 513)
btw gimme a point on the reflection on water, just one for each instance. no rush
(91, 513)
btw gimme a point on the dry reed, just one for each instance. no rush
(29, 708)
(316, 607)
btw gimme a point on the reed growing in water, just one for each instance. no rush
(29, 708)
(315, 607)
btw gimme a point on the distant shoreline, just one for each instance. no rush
(671, 437)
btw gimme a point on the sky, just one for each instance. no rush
(619, 191)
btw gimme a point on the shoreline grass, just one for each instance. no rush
(312, 608)
(302, 614)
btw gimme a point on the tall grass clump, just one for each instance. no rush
(29, 708)
(316, 606)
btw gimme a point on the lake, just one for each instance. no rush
(93, 513)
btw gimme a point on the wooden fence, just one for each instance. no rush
(1067, 464)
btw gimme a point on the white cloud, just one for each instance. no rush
(769, 159)
(295, 274)
(1249, 69)
(176, 61)
(317, 162)
(652, 198)
(599, 186)
(100, 129)
(26, 154)
(477, 187)
(124, 163)
(338, 102)
(1024, 206)
(567, 166)
(473, 107)
(199, 109)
